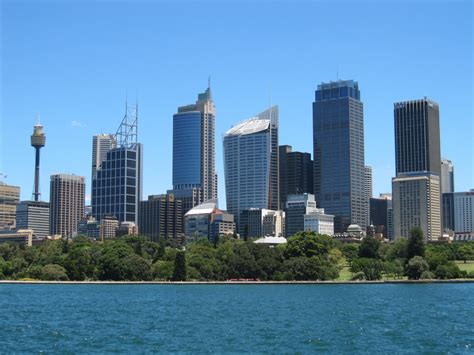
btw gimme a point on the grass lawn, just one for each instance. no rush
(345, 274)
(469, 266)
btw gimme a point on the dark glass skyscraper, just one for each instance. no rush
(416, 187)
(296, 173)
(417, 142)
(117, 187)
(194, 173)
(338, 138)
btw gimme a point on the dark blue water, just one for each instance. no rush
(247, 318)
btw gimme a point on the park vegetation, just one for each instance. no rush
(306, 256)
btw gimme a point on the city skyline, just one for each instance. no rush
(71, 117)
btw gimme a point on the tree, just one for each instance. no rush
(449, 270)
(398, 249)
(415, 267)
(53, 272)
(314, 268)
(111, 265)
(136, 268)
(163, 270)
(394, 268)
(372, 268)
(179, 273)
(308, 244)
(416, 243)
(350, 252)
(369, 248)
(466, 252)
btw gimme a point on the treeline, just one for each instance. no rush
(306, 256)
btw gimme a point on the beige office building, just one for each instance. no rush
(67, 193)
(416, 203)
(9, 199)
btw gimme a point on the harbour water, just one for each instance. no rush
(237, 318)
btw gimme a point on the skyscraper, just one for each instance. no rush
(296, 173)
(368, 190)
(117, 186)
(416, 187)
(67, 194)
(101, 144)
(338, 138)
(9, 199)
(447, 176)
(194, 173)
(379, 215)
(251, 164)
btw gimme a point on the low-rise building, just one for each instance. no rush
(319, 222)
(33, 215)
(260, 222)
(207, 221)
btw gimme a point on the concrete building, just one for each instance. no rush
(38, 141)
(447, 176)
(417, 185)
(319, 222)
(296, 173)
(67, 194)
(9, 199)
(21, 236)
(368, 190)
(458, 212)
(296, 207)
(261, 222)
(117, 186)
(33, 215)
(194, 172)
(207, 221)
(161, 217)
(101, 144)
(339, 164)
(416, 204)
(251, 164)
(108, 227)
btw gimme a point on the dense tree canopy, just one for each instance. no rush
(306, 256)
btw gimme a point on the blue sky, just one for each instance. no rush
(74, 61)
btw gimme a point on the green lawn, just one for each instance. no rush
(345, 274)
(469, 266)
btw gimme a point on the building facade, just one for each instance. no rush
(380, 215)
(418, 169)
(251, 164)
(296, 208)
(295, 173)
(117, 186)
(261, 222)
(416, 203)
(101, 144)
(161, 217)
(9, 199)
(67, 195)
(194, 172)
(33, 215)
(319, 222)
(339, 165)
(207, 221)
(447, 176)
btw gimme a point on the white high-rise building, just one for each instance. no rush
(251, 164)
(447, 176)
(101, 144)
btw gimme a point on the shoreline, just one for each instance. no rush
(184, 283)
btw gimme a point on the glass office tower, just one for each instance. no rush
(251, 164)
(339, 168)
(194, 173)
(117, 186)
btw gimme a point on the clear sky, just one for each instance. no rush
(74, 61)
